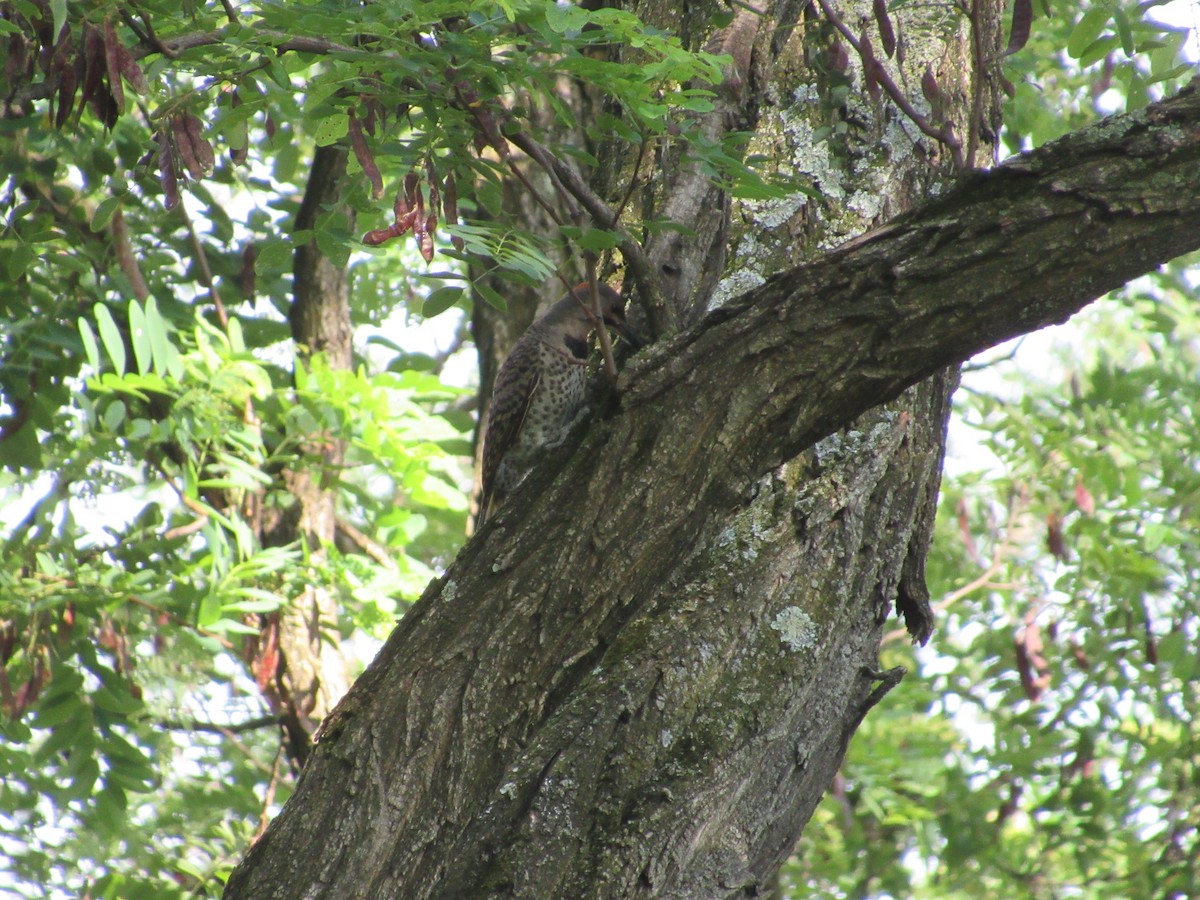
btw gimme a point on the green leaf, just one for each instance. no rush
(565, 17)
(1123, 30)
(139, 336)
(167, 361)
(440, 300)
(67, 709)
(231, 626)
(598, 240)
(1087, 30)
(132, 782)
(58, 12)
(90, 348)
(274, 256)
(210, 610)
(237, 343)
(114, 415)
(116, 701)
(493, 299)
(104, 212)
(20, 258)
(1098, 50)
(331, 129)
(110, 336)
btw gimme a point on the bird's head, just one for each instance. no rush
(612, 310)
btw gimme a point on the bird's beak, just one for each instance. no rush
(627, 334)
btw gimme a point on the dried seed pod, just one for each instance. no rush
(131, 70)
(166, 170)
(183, 146)
(887, 32)
(68, 84)
(363, 154)
(112, 65)
(200, 145)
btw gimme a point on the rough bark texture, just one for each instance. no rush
(623, 687)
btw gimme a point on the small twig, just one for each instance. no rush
(180, 621)
(633, 179)
(128, 19)
(610, 365)
(151, 43)
(246, 751)
(457, 343)
(534, 192)
(150, 37)
(214, 728)
(887, 679)
(984, 579)
(372, 548)
(230, 12)
(746, 6)
(282, 42)
(195, 506)
(1007, 357)
(184, 530)
(974, 126)
(58, 491)
(206, 277)
(21, 411)
(264, 817)
(248, 414)
(542, 156)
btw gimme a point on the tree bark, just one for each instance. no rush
(311, 674)
(622, 687)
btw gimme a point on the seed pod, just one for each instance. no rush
(887, 33)
(200, 145)
(131, 70)
(68, 83)
(362, 153)
(112, 64)
(166, 171)
(183, 146)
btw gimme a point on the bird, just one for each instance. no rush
(539, 390)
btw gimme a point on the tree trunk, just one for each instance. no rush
(640, 677)
(310, 673)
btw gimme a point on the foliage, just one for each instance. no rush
(153, 407)
(1108, 55)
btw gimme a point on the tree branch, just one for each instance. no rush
(1004, 253)
(636, 261)
(173, 47)
(215, 728)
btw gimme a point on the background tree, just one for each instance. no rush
(715, 651)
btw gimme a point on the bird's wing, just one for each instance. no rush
(516, 384)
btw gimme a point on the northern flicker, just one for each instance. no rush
(539, 389)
